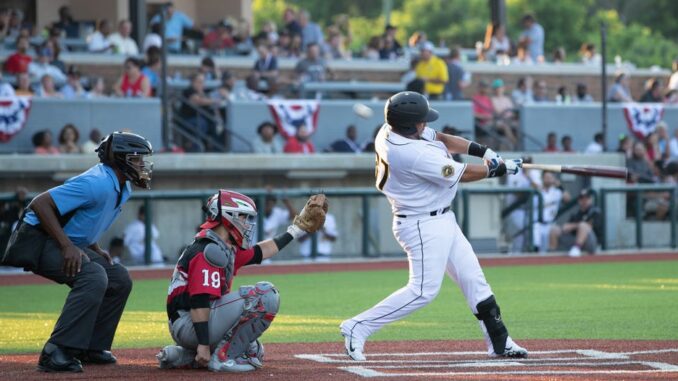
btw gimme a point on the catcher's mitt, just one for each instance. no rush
(312, 217)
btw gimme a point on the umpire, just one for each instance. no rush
(57, 239)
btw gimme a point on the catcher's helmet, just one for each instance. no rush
(125, 151)
(407, 108)
(236, 212)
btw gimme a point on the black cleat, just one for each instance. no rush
(56, 359)
(96, 357)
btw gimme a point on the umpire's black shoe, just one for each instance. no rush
(56, 359)
(96, 357)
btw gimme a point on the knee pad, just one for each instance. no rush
(490, 315)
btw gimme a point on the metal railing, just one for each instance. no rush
(638, 190)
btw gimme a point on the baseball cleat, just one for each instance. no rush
(238, 365)
(354, 347)
(512, 350)
(574, 252)
(174, 356)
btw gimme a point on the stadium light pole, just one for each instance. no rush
(603, 80)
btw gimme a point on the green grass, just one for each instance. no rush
(596, 301)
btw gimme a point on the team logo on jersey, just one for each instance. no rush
(448, 171)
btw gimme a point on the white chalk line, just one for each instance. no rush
(508, 364)
(368, 373)
(346, 360)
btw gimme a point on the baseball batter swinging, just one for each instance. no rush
(418, 176)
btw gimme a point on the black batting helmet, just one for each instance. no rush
(407, 108)
(125, 151)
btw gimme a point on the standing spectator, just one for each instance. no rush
(589, 55)
(533, 35)
(522, 94)
(135, 240)
(673, 80)
(133, 83)
(300, 143)
(68, 139)
(582, 95)
(552, 194)
(47, 88)
(73, 88)
(42, 67)
(673, 145)
(19, 61)
(153, 38)
(551, 142)
(499, 44)
(653, 91)
(620, 92)
(582, 230)
(597, 145)
(349, 144)
(310, 31)
(313, 67)
(433, 71)
(152, 68)
(94, 139)
(326, 238)
(67, 23)
(458, 78)
(541, 91)
(175, 22)
(42, 143)
(99, 41)
(23, 85)
(122, 41)
(220, 38)
(392, 48)
(209, 69)
(291, 24)
(503, 109)
(566, 143)
(516, 223)
(267, 143)
(266, 67)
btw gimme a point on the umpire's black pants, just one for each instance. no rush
(97, 298)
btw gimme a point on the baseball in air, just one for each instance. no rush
(362, 111)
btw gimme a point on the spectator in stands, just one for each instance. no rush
(522, 55)
(42, 67)
(566, 144)
(483, 113)
(153, 38)
(18, 62)
(563, 96)
(97, 89)
(68, 139)
(458, 78)
(559, 55)
(243, 38)
(582, 95)
(275, 216)
(653, 91)
(175, 22)
(451, 130)
(6, 90)
(522, 94)
(42, 143)
(498, 44)
(368, 146)
(335, 49)
(311, 33)
(197, 99)
(122, 41)
(597, 145)
(349, 144)
(67, 23)
(551, 142)
(135, 240)
(589, 55)
(505, 117)
(99, 41)
(641, 170)
(625, 146)
(115, 249)
(392, 48)
(267, 143)
(663, 144)
(417, 40)
(673, 145)
(73, 88)
(312, 68)
(517, 227)
(224, 93)
(94, 139)
(301, 142)
(533, 36)
(152, 68)
(673, 80)
(251, 92)
(54, 47)
(292, 26)
(220, 38)
(209, 69)
(17, 26)
(47, 88)
(268, 34)
(552, 194)
(266, 67)
(23, 85)
(582, 230)
(133, 83)
(373, 47)
(433, 71)
(620, 92)
(541, 91)
(326, 238)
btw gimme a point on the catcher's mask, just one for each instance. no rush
(126, 152)
(236, 212)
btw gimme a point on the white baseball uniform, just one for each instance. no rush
(420, 180)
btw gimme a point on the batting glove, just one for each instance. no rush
(491, 155)
(513, 166)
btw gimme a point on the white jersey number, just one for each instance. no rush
(381, 172)
(215, 278)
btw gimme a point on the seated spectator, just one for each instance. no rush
(663, 144)
(625, 146)
(202, 121)
(220, 38)
(94, 139)
(326, 238)
(563, 96)
(266, 67)
(597, 145)
(243, 38)
(559, 55)
(133, 83)
(673, 80)
(433, 71)
(42, 67)
(115, 249)
(373, 47)
(653, 91)
(582, 95)
(673, 145)
(566, 143)
(68, 139)
(135, 241)
(175, 23)
(551, 142)
(311, 33)
(42, 143)
(348, 144)
(498, 44)
(292, 26)
(295, 49)
(312, 68)
(152, 68)
(224, 93)
(671, 98)
(582, 230)
(392, 48)
(410, 75)
(541, 91)
(368, 146)
(73, 88)
(97, 89)
(268, 34)
(47, 88)
(458, 78)
(251, 91)
(122, 41)
(641, 170)
(417, 39)
(55, 47)
(153, 38)
(301, 142)
(522, 94)
(620, 92)
(483, 113)
(23, 88)
(283, 46)
(66, 23)
(19, 61)
(522, 55)
(267, 143)
(506, 121)
(209, 69)
(589, 55)
(17, 26)
(99, 41)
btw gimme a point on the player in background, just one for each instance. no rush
(418, 176)
(211, 324)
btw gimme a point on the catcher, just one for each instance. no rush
(211, 324)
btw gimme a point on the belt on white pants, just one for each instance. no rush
(430, 214)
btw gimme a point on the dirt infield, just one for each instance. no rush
(410, 360)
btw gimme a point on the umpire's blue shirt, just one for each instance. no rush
(88, 204)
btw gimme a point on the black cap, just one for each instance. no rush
(586, 192)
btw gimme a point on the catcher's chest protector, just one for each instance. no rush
(221, 256)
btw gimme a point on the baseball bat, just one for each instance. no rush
(599, 171)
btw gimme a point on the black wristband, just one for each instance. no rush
(202, 332)
(283, 240)
(475, 149)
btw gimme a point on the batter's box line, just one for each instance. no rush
(369, 373)
(522, 363)
(322, 359)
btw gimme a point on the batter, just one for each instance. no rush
(418, 176)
